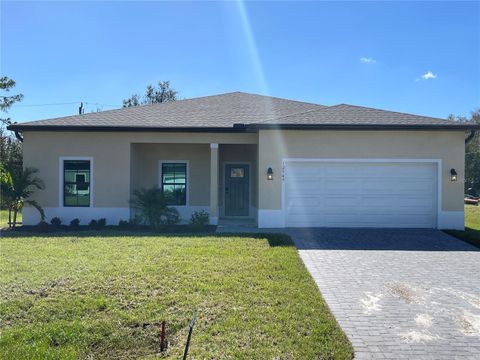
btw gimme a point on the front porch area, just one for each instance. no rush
(221, 179)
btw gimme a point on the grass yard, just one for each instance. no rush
(4, 218)
(103, 295)
(472, 226)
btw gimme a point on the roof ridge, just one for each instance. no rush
(130, 108)
(392, 111)
(278, 98)
(297, 113)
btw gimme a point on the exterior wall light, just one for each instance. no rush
(269, 174)
(453, 175)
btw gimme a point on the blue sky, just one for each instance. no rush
(101, 52)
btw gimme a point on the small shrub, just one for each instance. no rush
(101, 223)
(93, 224)
(42, 226)
(152, 208)
(56, 221)
(75, 223)
(136, 220)
(170, 216)
(200, 219)
(123, 223)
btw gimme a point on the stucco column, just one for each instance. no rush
(213, 183)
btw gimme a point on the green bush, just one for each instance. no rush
(200, 219)
(56, 221)
(93, 224)
(123, 223)
(152, 209)
(75, 223)
(101, 223)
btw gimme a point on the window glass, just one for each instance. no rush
(76, 183)
(237, 172)
(174, 183)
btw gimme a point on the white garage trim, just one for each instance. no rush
(437, 162)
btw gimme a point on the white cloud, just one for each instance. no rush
(367, 60)
(429, 75)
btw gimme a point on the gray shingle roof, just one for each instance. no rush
(210, 111)
(345, 114)
(225, 110)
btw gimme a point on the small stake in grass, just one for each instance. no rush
(162, 337)
(192, 324)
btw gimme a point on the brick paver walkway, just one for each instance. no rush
(397, 294)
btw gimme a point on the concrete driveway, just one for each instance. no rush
(398, 293)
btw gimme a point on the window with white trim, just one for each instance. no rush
(174, 183)
(76, 183)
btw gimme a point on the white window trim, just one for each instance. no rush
(187, 163)
(61, 184)
(437, 162)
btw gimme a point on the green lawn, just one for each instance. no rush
(472, 226)
(4, 218)
(102, 295)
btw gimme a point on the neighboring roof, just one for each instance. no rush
(237, 111)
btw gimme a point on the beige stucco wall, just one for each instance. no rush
(111, 164)
(276, 145)
(112, 160)
(145, 167)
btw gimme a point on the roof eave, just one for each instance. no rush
(244, 128)
(462, 127)
(20, 127)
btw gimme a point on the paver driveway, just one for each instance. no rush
(398, 293)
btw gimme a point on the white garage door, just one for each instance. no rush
(360, 194)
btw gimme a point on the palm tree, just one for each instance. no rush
(17, 187)
(152, 208)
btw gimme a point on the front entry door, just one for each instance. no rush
(237, 190)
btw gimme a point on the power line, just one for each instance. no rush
(65, 103)
(52, 104)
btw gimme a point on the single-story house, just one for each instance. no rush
(278, 162)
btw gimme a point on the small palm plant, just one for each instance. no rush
(152, 208)
(16, 188)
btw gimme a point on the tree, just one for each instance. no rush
(16, 188)
(472, 154)
(6, 84)
(153, 95)
(10, 149)
(152, 208)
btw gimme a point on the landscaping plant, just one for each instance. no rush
(17, 186)
(152, 209)
(199, 219)
(123, 223)
(56, 221)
